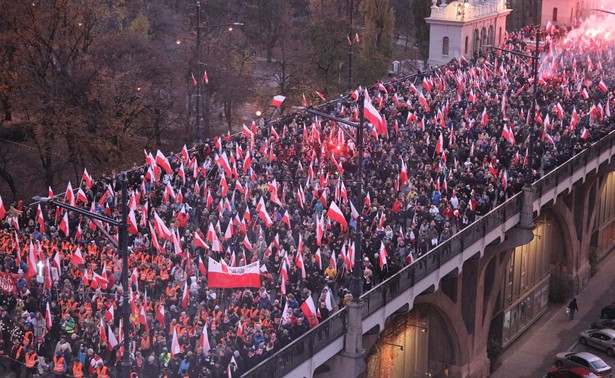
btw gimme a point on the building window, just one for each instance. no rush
(500, 37)
(554, 14)
(465, 50)
(491, 36)
(476, 41)
(445, 46)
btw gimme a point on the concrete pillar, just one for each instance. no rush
(527, 211)
(352, 361)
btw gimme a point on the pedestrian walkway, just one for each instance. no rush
(534, 352)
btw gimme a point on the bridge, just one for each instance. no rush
(338, 341)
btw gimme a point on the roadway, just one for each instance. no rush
(533, 354)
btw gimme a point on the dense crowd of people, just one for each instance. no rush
(454, 146)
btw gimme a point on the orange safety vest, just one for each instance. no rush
(28, 338)
(58, 364)
(102, 372)
(77, 370)
(31, 360)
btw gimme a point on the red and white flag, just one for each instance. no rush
(205, 341)
(111, 337)
(48, 319)
(175, 348)
(163, 162)
(222, 276)
(308, 308)
(334, 213)
(278, 100)
(382, 257)
(372, 115)
(77, 257)
(87, 178)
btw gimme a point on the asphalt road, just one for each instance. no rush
(533, 354)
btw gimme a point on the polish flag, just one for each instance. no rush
(574, 121)
(109, 314)
(334, 213)
(3, 209)
(82, 197)
(318, 258)
(132, 223)
(155, 243)
(175, 348)
(322, 97)
(102, 332)
(205, 341)
(423, 101)
(70, 196)
(247, 132)
(201, 267)
(160, 316)
(31, 262)
(278, 100)
(111, 337)
(87, 178)
(185, 296)
(560, 110)
(286, 219)
(48, 318)
(584, 133)
(304, 100)
(64, 224)
(163, 162)
(77, 257)
(484, 118)
(56, 262)
(372, 115)
(439, 144)
(39, 217)
(603, 86)
(233, 277)
(308, 308)
(382, 256)
(199, 242)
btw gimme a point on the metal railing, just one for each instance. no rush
(301, 349)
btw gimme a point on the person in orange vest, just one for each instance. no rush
(103, 371)
(59, 365)
(17, 356)
(31, 363)
(77, 369)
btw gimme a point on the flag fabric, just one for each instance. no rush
(308, 308)
(222, 276)
(278, 100)
(334, 213)
(111, 338)
(372, 115)
(175, 348)
(48, 319)
(205, 341)
(87, 179)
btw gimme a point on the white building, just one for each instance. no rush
(460, 28)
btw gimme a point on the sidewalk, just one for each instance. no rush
(533, 353)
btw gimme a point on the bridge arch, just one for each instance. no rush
(419, 341)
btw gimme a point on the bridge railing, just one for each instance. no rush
(317, 338)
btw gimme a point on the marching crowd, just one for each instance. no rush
(453, 145)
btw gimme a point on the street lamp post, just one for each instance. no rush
(350, 39)
(199, 80)
(353, 338)
(356, 285)
(122, 246)
(529, 176)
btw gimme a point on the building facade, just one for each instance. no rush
(462, 28)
